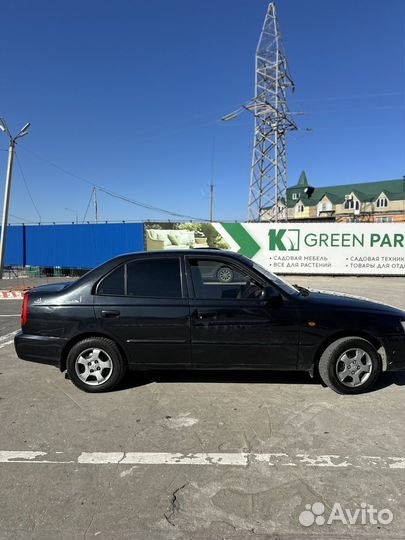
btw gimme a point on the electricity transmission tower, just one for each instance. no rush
(268, 182)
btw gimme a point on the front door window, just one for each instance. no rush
(217, 280)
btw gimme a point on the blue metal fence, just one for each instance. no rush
(71, 246)
(15, 246)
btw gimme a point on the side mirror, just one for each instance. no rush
(272, 296)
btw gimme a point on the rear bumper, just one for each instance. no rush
(395, 350)
(41, 349)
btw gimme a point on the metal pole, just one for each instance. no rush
(95, 204)
(6, 205)
(276, 186)
(251, 210)
(212, 181)
(211, 203)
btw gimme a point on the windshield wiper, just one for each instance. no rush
(303, 290)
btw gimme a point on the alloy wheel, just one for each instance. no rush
(354, 367)
(94, 366)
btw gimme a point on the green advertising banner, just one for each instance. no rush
(294, 248)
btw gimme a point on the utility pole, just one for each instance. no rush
(21, 133)
(95, 204)
(211, 203)
(212, 182)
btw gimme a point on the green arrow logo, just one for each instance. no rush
(248, 246)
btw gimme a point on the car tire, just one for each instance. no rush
(350, 365)
(95, 365)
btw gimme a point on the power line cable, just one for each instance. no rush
(148, 206)
(357, 109)
(112, 193)
(69, 173)
(24, 220)
(353, 96)
(26, 186)
(87, 208)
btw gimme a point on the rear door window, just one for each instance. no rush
(155, 278)
(114, 283)
(158, 278)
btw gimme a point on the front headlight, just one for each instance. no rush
(403, 325)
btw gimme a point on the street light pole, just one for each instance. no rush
(6, 205)
(22, 132)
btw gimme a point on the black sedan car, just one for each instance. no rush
(205, 310)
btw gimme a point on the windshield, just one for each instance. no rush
(284, 286)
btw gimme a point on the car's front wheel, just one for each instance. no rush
(350, 365)
(95, 364)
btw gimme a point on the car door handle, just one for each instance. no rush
(201, 315)
(110, 313)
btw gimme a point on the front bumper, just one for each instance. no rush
(42, 349)
(394, 346)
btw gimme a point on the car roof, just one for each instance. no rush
(115, 261)
(109, 265)
(171, 252)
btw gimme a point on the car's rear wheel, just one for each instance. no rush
(350, 365)
(95, 364)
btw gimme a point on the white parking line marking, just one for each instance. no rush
(15, 315)
(202, 458)
(7, 455)
(6, 343)
(3, 342)
(163, 458)
(8, 336)
(13, 456)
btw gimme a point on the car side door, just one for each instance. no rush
(143, 305)
(232, 324)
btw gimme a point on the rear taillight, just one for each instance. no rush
(24, 313)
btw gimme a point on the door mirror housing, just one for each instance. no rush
(272, 296)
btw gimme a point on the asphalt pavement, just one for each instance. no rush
(208, 455)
